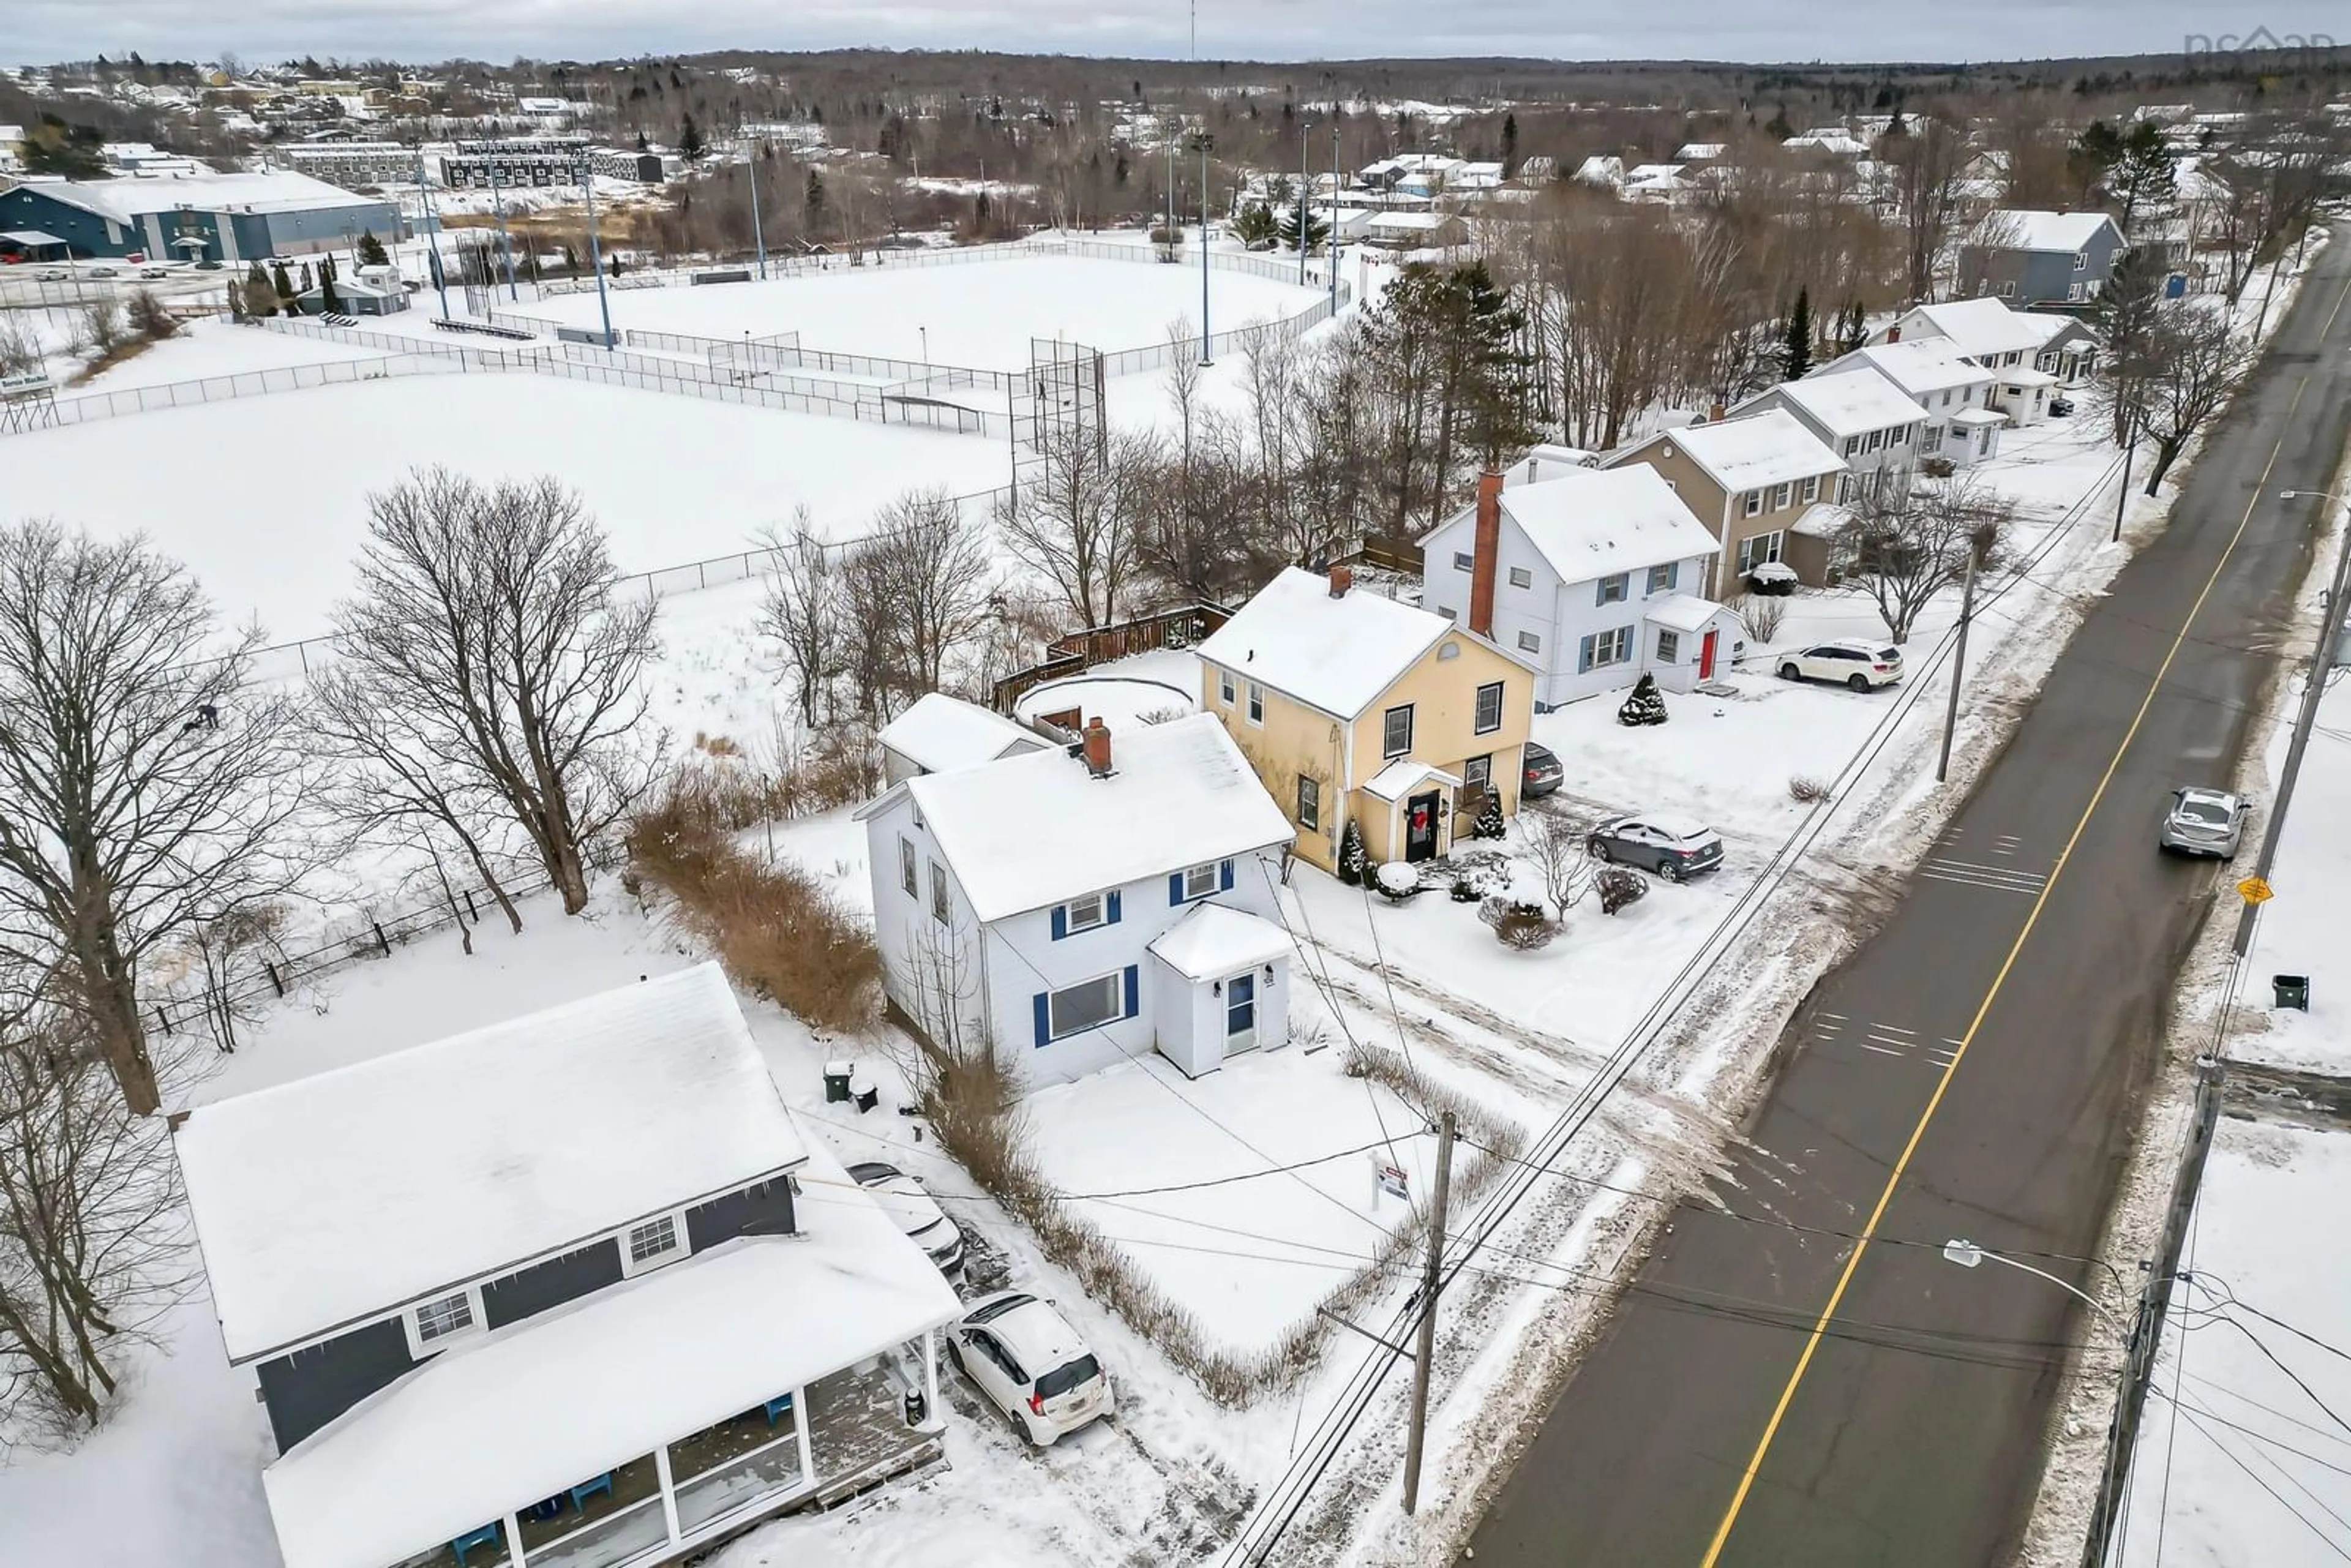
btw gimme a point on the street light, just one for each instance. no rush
(1968, 1255)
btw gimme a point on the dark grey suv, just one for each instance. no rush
(1673, 847)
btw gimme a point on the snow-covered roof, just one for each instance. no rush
(1850, 403)
(1417, 223)
(1601, 168)
(1827, 141)
(126, 201)
(1589, 523)
(2027, 228)
(1975, 416)
(1404, 776)
(1035, 829)
(1764, 449)
(1697, 152)
(1919, 365)
(940, 734)
(1823, 520)
(2024, 376)
(1215, 940)
(1336, 655)
(526, 1411)
(1988, 326)
(351, 1192)
(1653, 171)
(1682, 612)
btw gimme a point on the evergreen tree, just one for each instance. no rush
(1256, 224)
(260, 294)
(371, 251)
(690, 144)
(1646, 706)
(1353, 863)
(1852, 328)
(285, 290)
(328, 300)
(1317, 230)
(815, 197)
(1510, 143)
(643, 143)
(1797, 360)
(309, 279)
(1488, 823)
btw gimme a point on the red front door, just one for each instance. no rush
(1706, 655)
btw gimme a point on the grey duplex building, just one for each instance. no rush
(2031, 257)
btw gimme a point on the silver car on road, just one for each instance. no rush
(2203, 822)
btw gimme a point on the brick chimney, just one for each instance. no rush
(1714, 413)
(1487, 544)
(1096, 736)
(1343, 578)
(1894, 334)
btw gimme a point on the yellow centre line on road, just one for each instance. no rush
(1934, 1103)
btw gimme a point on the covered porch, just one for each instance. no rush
(1406, 812)
(2023, 394)
(655, 1418)
(1219, 987)
(1972, 436)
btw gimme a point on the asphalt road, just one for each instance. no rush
(1912, 1433)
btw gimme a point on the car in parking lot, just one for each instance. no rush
(916, 1212)
(2202, 822)
(1848, 661)
(52, 275)
(1031, 1365)
(1675, 847)
(1543, 772)
(153, 273)
(104, 272)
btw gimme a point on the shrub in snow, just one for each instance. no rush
(1353, 863)
(1618, 886)
(1758, 615)
(1518, 924)
(1937, 467)
(1805, 791)
(1397, 881)
(1488, 823)
(1646, 706)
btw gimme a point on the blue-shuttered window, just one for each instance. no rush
(1086, 913)
(1089, 1004)
(1199, 881)
(1583, 656)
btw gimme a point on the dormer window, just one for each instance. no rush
(657, 1241)
(433, 1325)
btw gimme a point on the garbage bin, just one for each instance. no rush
(2293, 990)
(917, 1407)
(863, 1092)
(836, 1081)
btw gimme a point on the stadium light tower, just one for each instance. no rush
(595, 248)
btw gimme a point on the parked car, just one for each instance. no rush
(53, 274)
(2202, 822)
(105, 272)
(1848, 662)
(151, 273)
(1543, 772)
(1675, 848)
(2060, 407)
(208, 265)
(1031, 1363)
(918, 1214)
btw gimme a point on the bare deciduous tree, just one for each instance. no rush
(140, 788)
(1556, 847)
(1928, 168)
(1183, 377)
(801, 610)
(488, 623)
(1909, 543)
(915, 592)
(1075, 523)
(2197, 357)
(92, 1237)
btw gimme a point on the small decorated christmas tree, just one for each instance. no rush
(1488, 823)
(1352, 862)
(1646, 706)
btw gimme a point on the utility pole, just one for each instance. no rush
(1958, 664)
(758, 235)
(506, 250)
(1304, 182)
(595, 246)
(432, 228)
(1428, 1286)
(2122, 496)
(1330, 241)
(1205, 140)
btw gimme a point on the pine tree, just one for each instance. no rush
(260, 294)
(1317, 230)
(286, 289)
(815, 197)
(1798, 358)
(1510, 143)
(1256, 224)
(1353, 863)
(1488, 823)
(328, 300)
(690, 144)
(1646, 706)
(371, 251)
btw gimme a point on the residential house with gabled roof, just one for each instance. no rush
(2031, 256)
(1592, 575)
(1992, 335)
(939, 733)
(1859, 414)
(1355, 707)
(544, 1291)
(1962, 427)
(1747, 480)
(1056, 904)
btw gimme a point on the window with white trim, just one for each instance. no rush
(909, 877)
(1779, 496)
(1757, 549)
(1669, 646)
(2081, 261)
(1610, 647)
(1310, 803)
(1477, 774)
(1521, 577)
(657, 1241)
(1754, 502)
(1876, 441)
(1489, 708)
(1084, 913)
(1812, 489)
(1396, 731)
(1529, 644)
(1199, 881)
(1085, 1005)
(1255, 703)
(1852, 446)
(941, 907)
(1662, 578)
(1224, 688)
(1464, 561)
(438, 1322)
(1613, 590)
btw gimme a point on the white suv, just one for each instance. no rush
(1848, 662)
(1031, 1364)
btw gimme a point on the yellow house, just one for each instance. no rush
(1352, 707)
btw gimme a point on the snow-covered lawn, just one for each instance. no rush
(2242, 1459)
(264, 498)
(1125, 691)
(2306, 929)
(980, 314)
(216, 346)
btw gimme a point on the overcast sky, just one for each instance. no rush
(1757, 30)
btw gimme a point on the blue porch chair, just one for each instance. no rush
(485, 1536)
(776, 1406)
(586, 1490)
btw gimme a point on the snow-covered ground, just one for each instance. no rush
(980, 314)
(2243, 1460)
(216, 346)
(2306, 929)
(264, 498)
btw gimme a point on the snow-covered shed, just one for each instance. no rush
(940, 734)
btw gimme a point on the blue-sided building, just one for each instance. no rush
(227, 218)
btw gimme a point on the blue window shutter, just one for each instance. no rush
(1060, 921)
(1110, 907)
(1600, 592)
(1175, 888)
(1583, 656)
(1224, 876)
(1673, 574)
(1133, 990)
(1044, 1018)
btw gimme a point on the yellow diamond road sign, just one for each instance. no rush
(2256, 891)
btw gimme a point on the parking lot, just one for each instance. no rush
(32, 285)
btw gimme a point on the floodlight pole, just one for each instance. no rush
(758, 235)
(1305, 182)
(431, 229)
(595, 249)
(1331, 241)
(1205, 140)
(506, 248)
